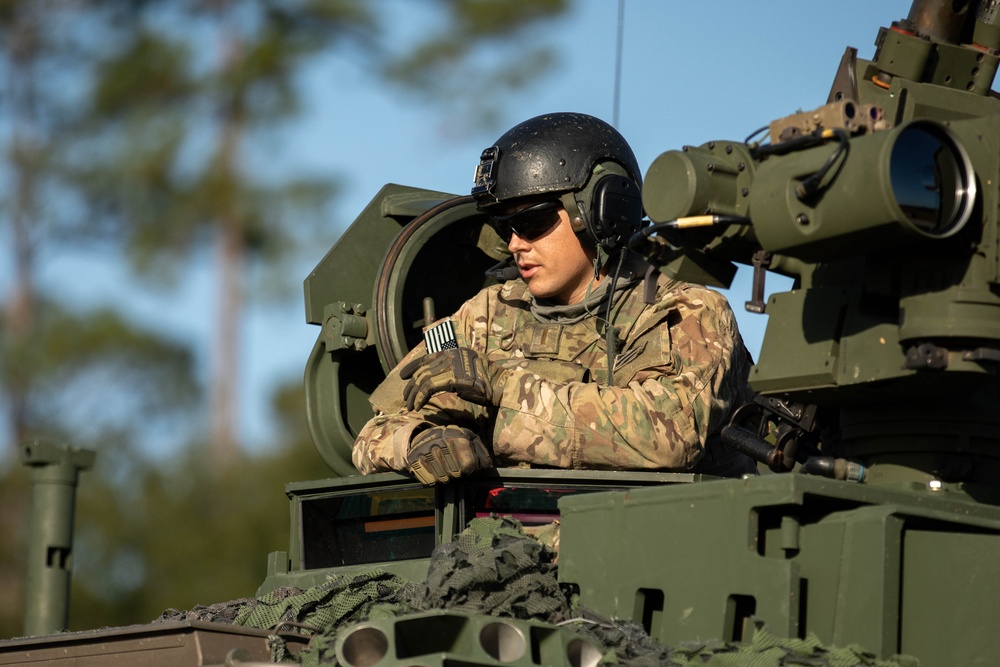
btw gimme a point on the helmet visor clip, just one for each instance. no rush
(485, 179)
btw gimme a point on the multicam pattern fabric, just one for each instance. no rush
(680, 370)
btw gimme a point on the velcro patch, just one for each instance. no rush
(439, 337)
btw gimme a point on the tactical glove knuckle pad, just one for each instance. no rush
(461, 370)
(440, 453)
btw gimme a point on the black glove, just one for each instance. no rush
(461, 370)
(440, 453)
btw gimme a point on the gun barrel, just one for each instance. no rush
(941, 20)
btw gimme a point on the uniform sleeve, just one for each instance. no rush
(679, 395)
(384, 441)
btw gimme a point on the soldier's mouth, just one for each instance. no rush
(527, 270)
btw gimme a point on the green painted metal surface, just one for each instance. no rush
(895, 570)
(55, 473)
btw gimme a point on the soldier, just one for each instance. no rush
(573, 361)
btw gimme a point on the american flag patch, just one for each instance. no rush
(439, 337)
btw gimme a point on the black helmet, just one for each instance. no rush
(573, 157)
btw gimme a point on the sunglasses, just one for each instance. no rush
(528, 223)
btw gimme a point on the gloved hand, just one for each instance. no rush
(461, 370)
(440, 453)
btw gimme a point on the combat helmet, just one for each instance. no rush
(578, 159)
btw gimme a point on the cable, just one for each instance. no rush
(688, 222)
(753, 134)
(658, 250)
(610, 333)
(811, 185)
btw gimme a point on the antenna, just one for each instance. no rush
(618, 62)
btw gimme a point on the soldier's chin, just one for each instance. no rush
(540, 290)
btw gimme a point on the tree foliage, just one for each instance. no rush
(480, 53)
(181, 532)
(144, 131)
(96, 381)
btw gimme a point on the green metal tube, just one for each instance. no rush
(55, 471)
(913, 182)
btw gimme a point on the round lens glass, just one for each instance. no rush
(932, 179)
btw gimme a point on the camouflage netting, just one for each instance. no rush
(495, 569)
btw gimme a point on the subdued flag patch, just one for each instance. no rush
(439, 337)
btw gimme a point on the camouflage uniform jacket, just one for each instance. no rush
(680, 371)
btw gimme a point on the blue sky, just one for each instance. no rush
(692, 72)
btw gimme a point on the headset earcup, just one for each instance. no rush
(615, 210)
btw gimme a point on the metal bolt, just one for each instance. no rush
(741, 166)
(802, 219)
(745, 191)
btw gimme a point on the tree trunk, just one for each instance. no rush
(231, 257)
(229, 314)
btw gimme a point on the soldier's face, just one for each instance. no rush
(555, 265)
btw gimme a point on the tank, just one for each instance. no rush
(876, 522)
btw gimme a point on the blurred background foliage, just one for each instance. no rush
(125, 127)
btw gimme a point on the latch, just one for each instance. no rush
(345, 327)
